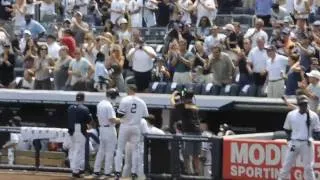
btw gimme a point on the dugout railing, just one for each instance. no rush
(163, 153)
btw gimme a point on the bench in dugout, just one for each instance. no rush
(170, 164)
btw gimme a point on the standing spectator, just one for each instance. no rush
(83, 6)
(148, 16)
(117, 10)
(36, 29)
(23, 41)
(164, 11)
(123, 32)
(7, 63)
(182, 61)
(47, 10)
(278, 12)
(30, 53)
(42, 68)
(263, 11)
(5, 6)
(294, 75)
(221, 66)
(160, 72)
(202, 60)
(80, 69)
(276, 65)
(203, 28)
(186, 6)
(65, 25)
(18, 10)
(79, 28)
(257, 61)
(306, 52)
(27, 82)
(301, 9)
(206, 8)
(116, 62)
(313, 89)
(61, 69)
(214, 39)
(101, 74)
(239, 34)
(142, 57)
(254, 33)
(134, 8)
(69, 41)
(241, 63)
(53, 47)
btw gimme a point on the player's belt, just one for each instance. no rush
(300, 140)
(275, 80)
(106, 126)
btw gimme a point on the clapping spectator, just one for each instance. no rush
(214, 39)
(160, 72)
(254, 33)
(42, 69)
(203, 28)
(79, 28)
(115, 64)
(60, 71)
(7, 63)
(30, 53)
(294, 75)
(36, 29)
(201, 62)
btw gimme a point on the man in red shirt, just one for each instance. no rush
(69, 41)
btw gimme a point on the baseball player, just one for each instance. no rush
(78, 118)
(206, 150)
(300, 125)
(108, 137)
(131, 110)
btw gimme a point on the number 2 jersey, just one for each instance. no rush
(133, 110)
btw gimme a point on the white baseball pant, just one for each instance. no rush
(306, 151)
(128, 133)
(207, 165)
(128, 160)
(77, 162)
(108, 141)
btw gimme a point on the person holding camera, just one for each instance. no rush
(108, 134)
(188, 113)
(142, 57)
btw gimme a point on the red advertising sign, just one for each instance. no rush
(257, 159)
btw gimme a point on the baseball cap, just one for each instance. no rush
(314, 74)
(316, 23)
(229, 27)
(285, 31)
(27, 32)
(6, 44)
(80, 96)
(78, 13)
(122, 21)
(270, 47)
(302, 99)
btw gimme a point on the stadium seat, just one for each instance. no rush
(197, 88)
(248, 90)
(230, 90)
(216, 90)
(207, 89)
(157, 87)
(172, 87)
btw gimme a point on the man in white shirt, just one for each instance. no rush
(212, 40)
(142, 57)
(117, 10)
(257, 63)
(276, 66)
(108, 137)
(53, 47)
(83, 6)
(131, 110)
(256, 32)
(300, 125)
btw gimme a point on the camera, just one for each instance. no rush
(185, 94)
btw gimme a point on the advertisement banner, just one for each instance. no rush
(260, 159)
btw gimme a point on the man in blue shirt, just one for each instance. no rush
(36, 29)
(263, 10)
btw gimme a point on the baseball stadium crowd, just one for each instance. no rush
(96, 45)
(163, 46)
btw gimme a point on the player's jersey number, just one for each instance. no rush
(133, 108)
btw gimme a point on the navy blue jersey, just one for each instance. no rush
(78, 114)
